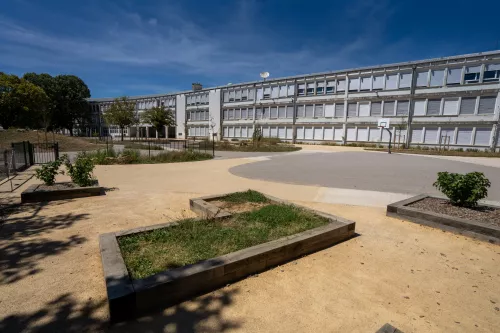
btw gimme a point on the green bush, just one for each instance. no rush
(102, 156)
(129, 156)
(463, 190)
(47, 172)
(81, 171)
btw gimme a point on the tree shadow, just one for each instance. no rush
(67, 314)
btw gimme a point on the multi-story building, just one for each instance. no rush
(453, 101)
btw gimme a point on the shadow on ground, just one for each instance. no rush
(67, 314)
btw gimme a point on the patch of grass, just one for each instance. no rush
(247, 196)
(191, 240)
(145, 146)
(103, 156)
(428, 151)
(133, 156)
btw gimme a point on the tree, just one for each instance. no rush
(48, 84)
(121, 113)
(71, 106)
(158, 117)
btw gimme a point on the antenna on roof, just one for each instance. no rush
(264, 75)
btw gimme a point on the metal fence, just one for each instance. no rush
(206, 147)
(44, 152)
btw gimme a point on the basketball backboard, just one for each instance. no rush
(384, 122)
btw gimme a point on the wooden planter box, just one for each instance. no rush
(34, 194)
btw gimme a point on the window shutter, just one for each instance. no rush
(309, 111)
(244, 132)
(362, 134)
(289, 111)
(282, 112)
(338, 133)
(391, 82)
(250, 94)
(378, 82)
(283, 91)
(464, 136)
(486, 105)
(340, 85)
(274, 112)
(468, 105)
(274, 132)
(454, 76)
(405, 80)
(318, 111)
(402, 108)
(275, 92)
(450, 106)
(244, 114)
(422, 78)
(328, 135)
(388, 108)
(339, 110)
(419, 107)
(437, 77)
(226, 97)
(291, 90)
(300, 111)
(430, 135)
(376, 108)
(258, 113)
(416, 135)
(351, 134)
(482, 136)
(329, 110)
(366, 83)
(374, 134)
(351, 109)
(300, 133)
(265, 131)
(308, 135)
(318, 133)
(433, 107)
(354, 84)
(281, 132)
(364, 109)
(447, 132)
(289, 133)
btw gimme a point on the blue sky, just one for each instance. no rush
(126, 47)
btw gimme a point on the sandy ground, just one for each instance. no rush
(417, 278)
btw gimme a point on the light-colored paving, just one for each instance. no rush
(417, 278)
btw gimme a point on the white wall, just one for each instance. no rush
(214, 110)
(180, 116)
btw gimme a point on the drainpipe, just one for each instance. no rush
(294, 116)
(410, 111)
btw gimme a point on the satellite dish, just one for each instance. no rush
(229, 84)
(264, 75)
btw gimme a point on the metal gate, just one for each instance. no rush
(44, 152)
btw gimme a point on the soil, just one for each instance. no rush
(239, 207)
(56, 186)
(483, 214)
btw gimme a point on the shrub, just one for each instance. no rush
(234, 140)
(47, 172)
(463, 190)
(129, 156)
(81, 171)
(102, 156)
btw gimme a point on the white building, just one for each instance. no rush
(454, 100)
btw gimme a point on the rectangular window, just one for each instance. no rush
(230, 114)
(491, 73)
(309, 111)
(198, 100)
(486, 105)
(376, 108)
(244, 94)
(310, 88)
(374, 135)
(274, 132)
(275, 92)
(237, 114)
(231, 96)
(320, 87)
(454, 76)
(330, 87)
(318, 133)
(282, 132)
(267, 92)
(416, 135)
(464, 136)
(378, 82)
(258, 113)
(338, 133)
(404, 80)
(468, 105)
(339, 110)
(388, 108)
(238, 95)
(283, 91)
(351, 134)
(419, 107)
(354, 84)
(366, 83)
(225, 115)
(362, 134)
(226, 97)
(450, 107)
(364, 109)
(430, 135)
(447, 134)
(483, 136)
(433, 107)
(340, 85)
(301, 89)
(231, 132)
(226, 132)
(328, 135)
(289, 133)
(291, 90)
(244, 132)
(300, 133)
(265, 113)
(329, 110)
(282, 112)
(308, 133)
(318, 111)
(391, 82)
(437, 77)
(274, 112)
(250, 94)
(300, 111)
(289, 111)
(352, 109)
(402, 108)
(472, 74)
(244, 114)
(422, 78)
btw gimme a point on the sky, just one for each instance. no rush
(127, 48)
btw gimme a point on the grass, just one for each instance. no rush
(132, 156)
(473, 153)
(191, 241)
(66, 143)
(247, 196)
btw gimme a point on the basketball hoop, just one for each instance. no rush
(384, 123)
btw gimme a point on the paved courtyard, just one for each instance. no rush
(417, 278)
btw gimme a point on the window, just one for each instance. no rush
(238, 95)
(374, 135)
(265, 113)
(328, 133)
(391, 82)
(282, 112)
(289, 111)
(320, 88)
(362, 134)
(454, 76)
(291, 90)
(450, 107)
(283, 92)
(231, 114)
(354, 84)
(388, 108)
(483, 136)
(434, 107)
(258, 113)
(267, 92)
(237, 114)
(416, 135)
(447, 134)
(404, 80)
(310, 88)
(282, 132)
(422, 79)
(309, 111)
(250, 94)
(491, 73)
(464, 136)
(244, 95)
(329, 110)
(274, 132)
(437, 78)
(231, 96)
(376, 108)
(486, 105)
(364, 109)
(378, 82)
(366, 83)
(430, 135)
(318, 111)
(402, 108)
(301, 90)
(274, 112)
(275, 92)
(225, 115)
(300, 132)
(468, 105)
(419, 107)
(340, 85)
(244, 114)
(351, 134)
(472, 74)
(330, 87)
(351, 109)
(339, 109)
(308, 133)
(300, 111)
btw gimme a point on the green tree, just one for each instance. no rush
(158, 117)
(71, 106)
(121, 113)
(48, 84)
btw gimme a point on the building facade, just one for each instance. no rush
(452, 101)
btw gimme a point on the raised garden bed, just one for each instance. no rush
(237, 235)
(482, 222)
(59, 191)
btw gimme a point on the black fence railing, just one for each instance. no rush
(173, 145)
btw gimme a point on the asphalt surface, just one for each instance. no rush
(409, 174)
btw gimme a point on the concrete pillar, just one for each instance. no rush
(294, 116)
(496, 125)
(346, 101)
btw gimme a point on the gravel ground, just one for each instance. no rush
(482, 214)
